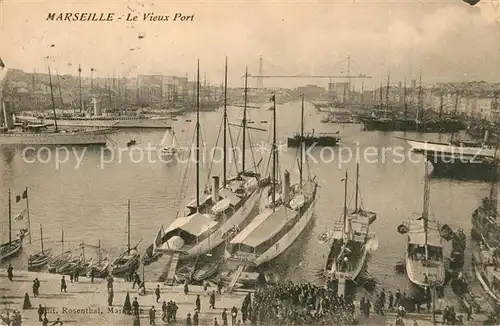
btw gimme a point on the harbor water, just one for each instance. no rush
(89, 200)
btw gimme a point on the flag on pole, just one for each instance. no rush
(21, 215)
(273, 98)
(2, 64)
(24, 195)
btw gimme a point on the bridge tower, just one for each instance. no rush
(260, 79)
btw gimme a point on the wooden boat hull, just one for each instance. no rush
(40, 259)
(118, 267)
(8, 250)
(206, 272)
(478, 273)
(58, 261)
(359, 266)
(288, 239)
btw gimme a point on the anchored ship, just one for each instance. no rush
(279, 224)
(351, 242)
(214, 217)
(459, 158)
(424, 247)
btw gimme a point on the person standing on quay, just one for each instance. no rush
(212, 300)
(152, 315)
(188, 320)
(127, 307)
(110, 297)
(234, 314)
(137, 280)
(135, 307)
(10, 274)
(196, 319)
(36, 286)
(40, 312)
(157, 293)
(224, 317)
(186, 287)
(63, 284)
(198, 303)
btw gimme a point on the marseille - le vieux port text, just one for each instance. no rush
(92, 16)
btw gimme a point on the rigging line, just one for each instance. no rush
(252, 152)
(233, 151)
(212, 161)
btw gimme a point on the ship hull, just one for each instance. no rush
(95, 137)
(218, 236)
(360, 264)
(480, 274)
(323, 141)
(412, 125)
(288, 239)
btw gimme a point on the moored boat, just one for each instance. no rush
(274, 229)
(128, 259)
(61, 259)
(41, 258)
(486, 264)
(351, 243)
(213, 218)
(13, 246)
(424, 258)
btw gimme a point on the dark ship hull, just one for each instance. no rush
(310, 140)
(397, 124)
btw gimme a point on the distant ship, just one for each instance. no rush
(459, 158)
(43, 134)
(319, 139)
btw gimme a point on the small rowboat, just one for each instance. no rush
(100, 268)
(40, 259)
(58, 261)
(126, 260)
(12, 248)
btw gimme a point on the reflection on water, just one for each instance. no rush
(90, 202)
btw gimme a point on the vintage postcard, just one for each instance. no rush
(249, 162)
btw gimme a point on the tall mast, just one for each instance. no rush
(52, 98)
(128, 227)
(62, 241)
(345, 206)
(387, 91)
(420, 104)
(198, 138)
(348, 79)
(245, 97)
(224, 167)
(274, 151)
(405, 102)
(357, 188)
(28, 213)
(109, 92)
(91, 83)
(301, 141)
(60, 92)
(10, 219)
(441, 104)
(80, 86)
(41, 236)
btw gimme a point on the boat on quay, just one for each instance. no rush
(276, 227)
(213, 217)
(351, 243)
(41, 258)
(424, 260)
(485, 224)
(61, 259)
(128, 259)
(13, 246)
(459, 159)
(83, 263)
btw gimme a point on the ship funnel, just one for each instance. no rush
(486, 135)
(215, 189)
(286, 187)
(97, 109)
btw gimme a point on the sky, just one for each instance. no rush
(444, 40)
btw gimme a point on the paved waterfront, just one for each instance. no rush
(85, 303)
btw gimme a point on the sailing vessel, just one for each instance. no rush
(41, 258)
(424, 249)
(12, 247)
(277, 226)
(351, 241)
(168, 145)
(43, 134)
(151, 255)
(130, 257)
(485, 224)
(61, 259)
(214, 217)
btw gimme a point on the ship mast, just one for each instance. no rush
(10, 218)
(52, 98)
(405, 102)
(425, 211)
(198, 138)
(80, 86)
(244, 122)
(301, 142)
(357, 188)
(273, 98)
(344, 225)
(441, 103)
(128, 227)
(224, 166)
(387, 92)
(420, 104)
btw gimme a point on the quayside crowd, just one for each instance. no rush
(295, 304)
